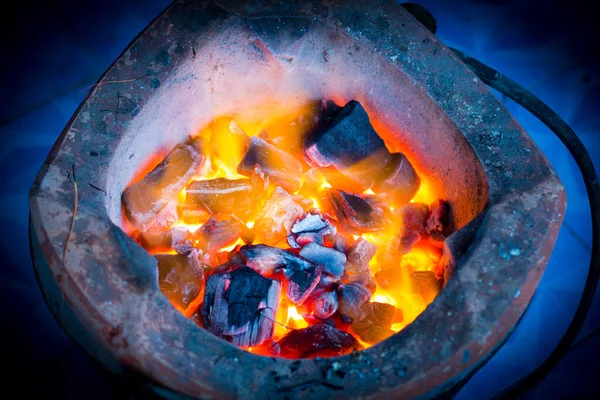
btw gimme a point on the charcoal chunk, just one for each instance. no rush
(267, 260)
(317, 341)
(214, 235)
(145, 199)
(358, 213)
(277, 217)
(398, 181)
(354, 301)
(346, 149)
(438, 223)
(220, 196)
(301, 282)
(165, 219)
(332, 261)
(325, 305)
(282, 168)
(311, 229)
(412, 217)
(163, 240)
(370, 332)
(359, 255)
(180, 277)
(310, 223)
(240, 305)
(385, 314)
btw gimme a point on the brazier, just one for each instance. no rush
(200, 60)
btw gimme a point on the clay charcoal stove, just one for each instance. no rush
(292, 184)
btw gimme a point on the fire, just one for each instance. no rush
(224, 143)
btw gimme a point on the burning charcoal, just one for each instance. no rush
(311, 229)
(145, 199)
(359, 255)
(331, 260)
(301, 282)
(266, 260)
(310, 223)
(282, 168)
(277, 217)
(326, 305)
(220, 196)
(407, 242)
(193, 216)
(317, 341)
(365, 279)
(385, 314)
(214, 235)
(412, 217)
(166, 218)
(180, 277)
(240, 305)
(341, 242)
(354, 301)
(163, 240)
(347, 149)
(370, 332)
(426, 284)
(399, 181)
(363, 213)
(268, 348)
(438, 224)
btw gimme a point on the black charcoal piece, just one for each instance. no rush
(282, 168)
(325, 305)
(412, 217)
(277, 217)
(214, 235)
(301, 282)
(398, 181)
(240, 305)
(384, 313)
(370, 332)
(332, 260)
(346, 148)
(180, 277)
(220, 195)
(354, 301)
(317, 341)
(358, 213)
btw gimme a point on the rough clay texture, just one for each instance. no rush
(197, 61)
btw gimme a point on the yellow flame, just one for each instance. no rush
(239, 242)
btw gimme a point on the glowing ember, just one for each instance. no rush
(277, 224)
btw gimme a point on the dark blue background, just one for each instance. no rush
(52, 51)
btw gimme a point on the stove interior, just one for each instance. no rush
(295, 209)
